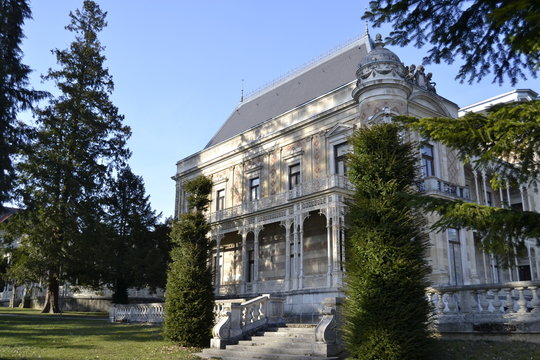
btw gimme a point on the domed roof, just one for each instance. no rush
(379, 54)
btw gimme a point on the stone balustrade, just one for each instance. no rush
(137, 313)
(500, 308)
(235, 320)
(303, 189)
(434, 185)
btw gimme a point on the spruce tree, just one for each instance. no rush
(386, 310)
(131, 238)
(189, 297)
(15, 95)
(78, 140)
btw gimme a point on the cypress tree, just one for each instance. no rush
(189, 297)
(386, 310)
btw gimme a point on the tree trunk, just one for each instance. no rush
(51, 298)
(13, 297)
(120, 294)
(26, 299)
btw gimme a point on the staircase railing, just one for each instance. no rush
(138, 313)
(236, 320)
(512, 307)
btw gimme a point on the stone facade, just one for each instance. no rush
(280, 190)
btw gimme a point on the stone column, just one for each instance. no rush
(217, 283)
(329, 249)
(476, 187)
(484, 186)
(531, 264)
(295, 256)
(243, 274)
(509, 204)
(468, 272)
(256, 256)
(336, 229)
(287, 225)
(523, 203)
(301, 257)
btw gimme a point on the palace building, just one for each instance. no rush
(280, 186)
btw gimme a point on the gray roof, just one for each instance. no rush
(321, 77)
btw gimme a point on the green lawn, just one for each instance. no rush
(487, 350)
(29, 335)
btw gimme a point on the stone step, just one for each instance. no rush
(289, 342)
(299, 325)
(285, 334)
(281, 339)
(286, 349)
(232, 355)
(300, 330)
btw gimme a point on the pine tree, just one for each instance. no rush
(14, 93)
(386, 310)
(78, 139)
(189, 297)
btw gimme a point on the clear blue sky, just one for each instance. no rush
(178, 65)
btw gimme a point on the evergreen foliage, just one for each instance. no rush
(386, 312)
(189, 298)
(506, 140)
(14, 93)
(498, 36)
(78, 140)
(132, 250)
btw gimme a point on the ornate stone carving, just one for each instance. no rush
(222, 328)
(317, 155)
(326, 330)
(237, 189)
(273, 172)
(417, 76)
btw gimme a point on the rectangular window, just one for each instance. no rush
(456, 266)
(489, 200)
(251, 266)
(294, 176)
(428, 168)
(340, 155)
(220, 200)
(292, 270)
(254, 189)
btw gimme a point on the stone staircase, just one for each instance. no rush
(288, 342)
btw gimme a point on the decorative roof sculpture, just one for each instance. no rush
(382, 64)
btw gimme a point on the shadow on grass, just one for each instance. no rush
(64, 332)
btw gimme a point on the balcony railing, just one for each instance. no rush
(303, 189)
(434, 185)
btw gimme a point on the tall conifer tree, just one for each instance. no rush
(189, 299)
(14, 92)
(130, 239)
(386, 310)
(78, 140)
